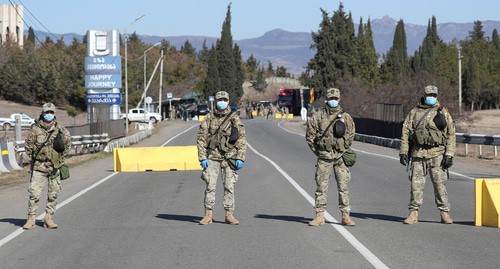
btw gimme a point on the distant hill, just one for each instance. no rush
(292, 49)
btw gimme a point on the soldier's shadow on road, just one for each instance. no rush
(284, 218)
(186, 218)
(377, 216)
(16, 222)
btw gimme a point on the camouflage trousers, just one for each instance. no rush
(324, 169)
(35, 191)
(229, 179)
(420, 169)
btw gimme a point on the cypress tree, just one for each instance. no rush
(397, 58)
(212, 81)
(225, 58)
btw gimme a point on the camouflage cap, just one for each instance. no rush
(48, 107)
(333, 92)
(431, 89)
(221, 94)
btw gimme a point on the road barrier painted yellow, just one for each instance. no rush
(201, 117)
(142, 159)
(487, 193)
(280, 115)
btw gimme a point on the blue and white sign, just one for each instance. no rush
(211, 98)
(103, 72)
(169, 96)
(104, 98)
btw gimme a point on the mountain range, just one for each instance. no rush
(293, 49)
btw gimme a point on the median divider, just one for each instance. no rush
(487, 194)
(8, 161)
(141, 159)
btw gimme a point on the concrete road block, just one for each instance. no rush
(172, 158)
(487, 194)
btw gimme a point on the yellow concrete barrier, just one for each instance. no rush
(281, 115)
(487, 192)
(142, 159)
(201, 117)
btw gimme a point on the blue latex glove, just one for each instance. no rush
(239, 164)
(204, 163)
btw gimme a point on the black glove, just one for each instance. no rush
(403, 159)
(447, 161)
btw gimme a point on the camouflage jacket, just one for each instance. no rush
(215, 143)
(47, 158)
(438, 142)
(329, 147)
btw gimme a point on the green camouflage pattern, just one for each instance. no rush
(35, 190)
(213, 145)
(216, 146)
(229, 179)
(329, 148)
(419, 169)
(329, 151)
(47, 160)
(47, 163)
(342, 175)
(446, 146)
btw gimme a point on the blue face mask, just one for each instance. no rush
(332, 103)
(222, 105)
(430, 100)
(48, 117)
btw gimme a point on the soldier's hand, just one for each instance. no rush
(239, 164)
(204, 164)
(403, 159)
(447, 161)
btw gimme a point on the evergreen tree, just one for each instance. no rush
(239, 74)
(259, 83)
(270, 69)
(396, 61)
(212, 81)
(367, 68)
(203, 54)
(188, 49)
(251, 67)
(495, 39)
(226, 62)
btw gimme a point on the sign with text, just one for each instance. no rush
(104, 98)
(103, 72)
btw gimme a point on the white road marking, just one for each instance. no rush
(372, 259)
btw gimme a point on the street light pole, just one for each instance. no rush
(144, 85)
(459, 81)
(126, 73)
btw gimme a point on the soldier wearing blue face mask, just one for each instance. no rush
(221, 150)
(47, 145)
(428, 145)
(329, 135)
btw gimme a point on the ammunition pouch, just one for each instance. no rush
(64, 172)
(349, 157)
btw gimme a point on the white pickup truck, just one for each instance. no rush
(25, 120)
(139, 114)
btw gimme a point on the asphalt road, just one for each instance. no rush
(150, 219)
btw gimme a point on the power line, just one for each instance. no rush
(27, 9)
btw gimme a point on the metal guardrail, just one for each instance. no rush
(478, 139)
(80, 143)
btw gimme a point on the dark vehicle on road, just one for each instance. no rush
(202, 109)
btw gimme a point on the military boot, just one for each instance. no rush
(446, 218)
(230, 219)
(48, 222)
(412, 217)
(346, 220)
(318, 220)
(30, 223)
(207, 219)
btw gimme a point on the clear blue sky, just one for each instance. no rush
(250, 18)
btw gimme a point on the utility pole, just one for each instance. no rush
(161, 84)
(459, 81)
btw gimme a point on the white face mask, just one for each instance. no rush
(222, 105)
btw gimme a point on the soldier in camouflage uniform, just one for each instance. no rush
(221, 148)
(428, 137)
(329, 147)
(47, 157)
